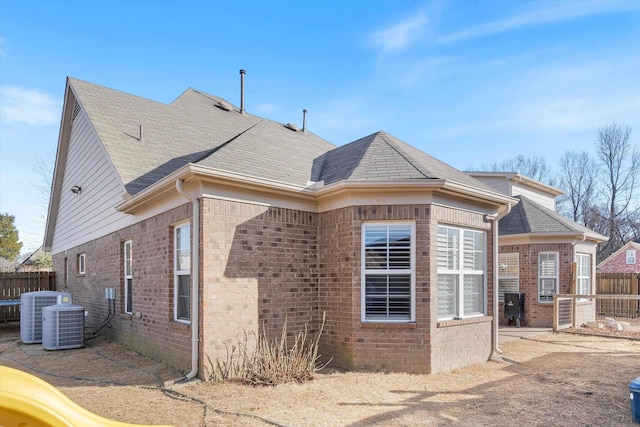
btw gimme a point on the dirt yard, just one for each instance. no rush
(548, 379)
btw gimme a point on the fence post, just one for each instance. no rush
(555, 313)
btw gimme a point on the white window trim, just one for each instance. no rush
(556, 275)
(581, 257)
(631, 256)
(177, 273)
(127, 277)
(364, 271)
(506, 276)
(460, 272)
(82, 264)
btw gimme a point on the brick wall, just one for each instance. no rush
(259, 268)
(262, 265)
(151, 330)
(539, 314)
(368, 345)
(618, 263)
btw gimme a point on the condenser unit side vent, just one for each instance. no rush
(62, 327)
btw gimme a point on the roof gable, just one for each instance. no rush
(620, 252)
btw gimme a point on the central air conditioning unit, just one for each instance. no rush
(62, 327)
(31, 305)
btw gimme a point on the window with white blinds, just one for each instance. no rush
(388, 272)
(547, 276)
(461, 272)
(583, 274)
(182, 273)
(508, 274)
(128, 277)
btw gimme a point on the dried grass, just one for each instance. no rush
(269, 363)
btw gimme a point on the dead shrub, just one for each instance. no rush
(269, 363)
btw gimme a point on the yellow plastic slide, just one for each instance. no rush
(28, 401)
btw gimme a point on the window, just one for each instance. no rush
(547, 276)
(128, 277)
(631, 256)
(583, 274)
(461, 272)
(388, 272)
(182, 272)
(81, 264)
(508, 274)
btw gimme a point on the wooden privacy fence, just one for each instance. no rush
(617, 284)
(14, 284)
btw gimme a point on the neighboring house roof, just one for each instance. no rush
(515, 177)
(629, 245)
(529, 217)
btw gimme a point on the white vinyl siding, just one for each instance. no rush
(631, 256)
(182, 273)
(547, 276)
(128, 277)
(461, 273)
(388, 272)
(508, 274)
(88, 166)
(583, 274)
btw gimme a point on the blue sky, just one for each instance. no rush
(469, 82)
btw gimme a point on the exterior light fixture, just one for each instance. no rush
(76, 190)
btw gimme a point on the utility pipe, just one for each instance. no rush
(195, 270)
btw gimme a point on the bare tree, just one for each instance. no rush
(578, 180)
(43, 168)
(533, 167)
(620, 161)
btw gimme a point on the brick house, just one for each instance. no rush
(541, 252)
(210, 221)
(624, 260)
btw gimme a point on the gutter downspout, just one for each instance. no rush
(195, 270)
(495, 350)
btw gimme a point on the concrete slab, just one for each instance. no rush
(510, 334)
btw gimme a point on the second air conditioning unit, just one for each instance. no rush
(62, 327)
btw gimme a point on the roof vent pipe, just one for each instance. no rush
(242, 73)
(140, 139)
(304, 120)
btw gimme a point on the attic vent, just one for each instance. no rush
(292, 127)
(76, 110)
(224, 106)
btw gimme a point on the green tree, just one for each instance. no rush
(43, 262)
(9, 245)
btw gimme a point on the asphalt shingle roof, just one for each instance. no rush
(192, 129)
(383, 157)
(530, 217)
